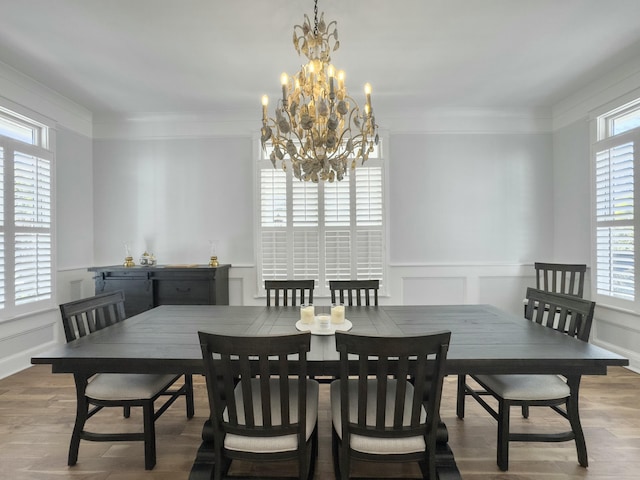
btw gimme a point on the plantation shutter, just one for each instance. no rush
(273, 219)
(32, 241)
(615, 253)
(321, 231)
(369, 234)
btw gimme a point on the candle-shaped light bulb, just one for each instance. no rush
(265, 103)
(341, 76)
(367, 92)
(284, 80)
(331, 72)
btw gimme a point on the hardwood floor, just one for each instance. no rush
(37, 409)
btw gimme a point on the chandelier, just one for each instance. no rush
(317, 125)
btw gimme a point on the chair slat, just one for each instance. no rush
(293, 292)
(356, 292)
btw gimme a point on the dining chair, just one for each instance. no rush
(573, 316)
(87, 316)
(560, 278)
(262, 405)
(298, 291)
(354, 291)
(385, 407)
(564, 278)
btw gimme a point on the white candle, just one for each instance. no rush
(307, 313)
(324, 321)
(337, 313)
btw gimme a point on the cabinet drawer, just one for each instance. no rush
(182, 292)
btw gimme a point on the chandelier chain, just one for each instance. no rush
(315, 18)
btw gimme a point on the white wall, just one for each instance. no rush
(172, 196)
(22, 337)
(469, 198)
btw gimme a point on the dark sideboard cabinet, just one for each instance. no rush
(148, 287)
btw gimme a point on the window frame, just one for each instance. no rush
(322, 287)
(42, 148)
(604, 139)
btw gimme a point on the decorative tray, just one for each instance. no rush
(316, 329)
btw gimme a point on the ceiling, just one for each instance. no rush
(127, 57)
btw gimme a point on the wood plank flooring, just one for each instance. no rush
(37, 410)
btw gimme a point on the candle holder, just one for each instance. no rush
(214, 261)
(128, 262)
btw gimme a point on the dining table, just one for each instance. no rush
(484, 340)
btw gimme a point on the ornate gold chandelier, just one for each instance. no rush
(317, 124)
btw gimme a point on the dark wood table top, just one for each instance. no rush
(484, 339)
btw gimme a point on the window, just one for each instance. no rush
(26, 208)
(321, 231)
(616, 160)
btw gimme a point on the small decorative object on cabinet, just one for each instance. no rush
(146, 287)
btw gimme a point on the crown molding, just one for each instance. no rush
(23, 90)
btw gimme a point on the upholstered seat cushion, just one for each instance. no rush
(526, 387)
(282, 443)
(127, 386)
(376, 445)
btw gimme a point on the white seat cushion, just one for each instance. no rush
(126, 386)
(526, 387)
(282, 443)
(376, 445)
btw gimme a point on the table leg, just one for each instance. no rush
(205, 461)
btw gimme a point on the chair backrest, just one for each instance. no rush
(408, 368)
(85, 316)
(260, 365)
(291, 291)
(565, 313)
(355, 290)
(561, 278)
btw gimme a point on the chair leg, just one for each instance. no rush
(188, 385)
(335, 453)
(149, 436)
(574, 419)
(345, 461)
(462, 392)
(504, 406)
(314, 453)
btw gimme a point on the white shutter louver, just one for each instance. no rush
(369, 196)
(337, 255)
(306, 255)
(273, 198)
(305, 204)
(337, 203)
(370, 257)
(614, 219)
(273, 247)
(32, 243)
